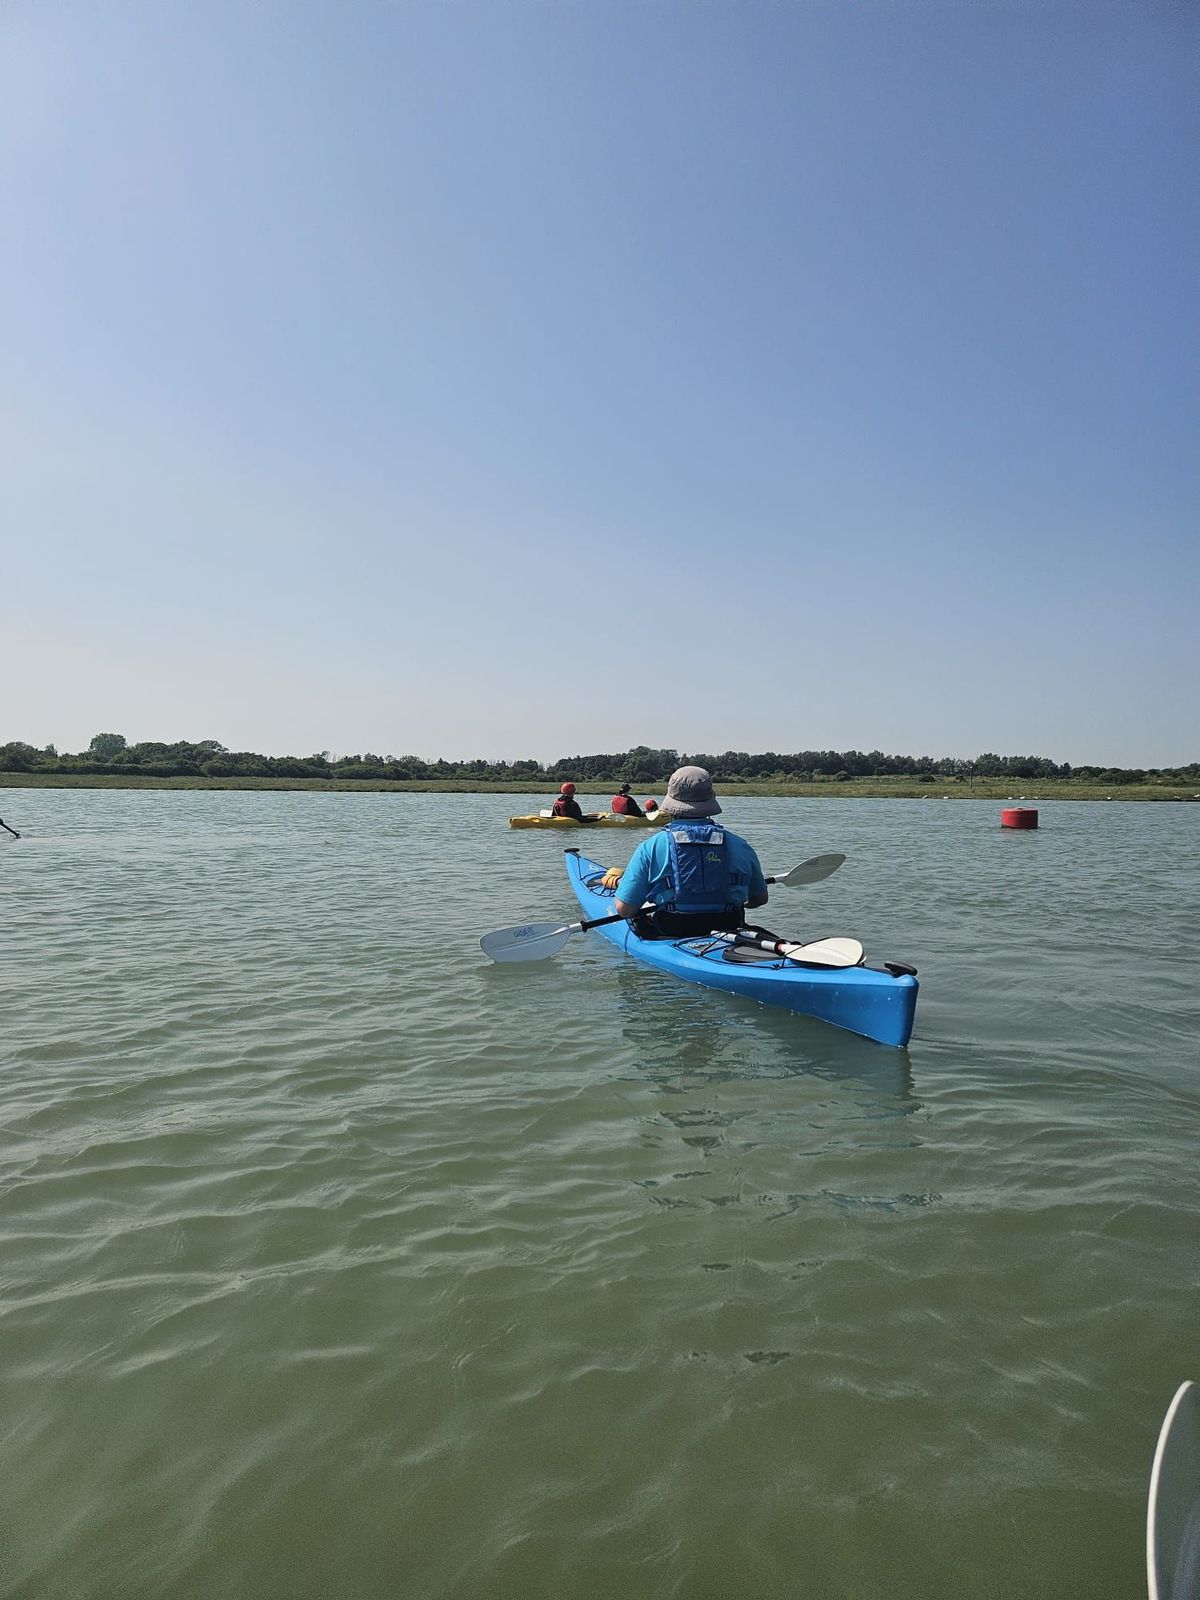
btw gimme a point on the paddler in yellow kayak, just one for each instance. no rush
(566, 805)
(623, 804)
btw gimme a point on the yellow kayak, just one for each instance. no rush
(604, 819)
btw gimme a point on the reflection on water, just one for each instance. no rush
(684, 1037)
(759, 1099)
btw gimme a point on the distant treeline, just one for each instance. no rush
(110, 755)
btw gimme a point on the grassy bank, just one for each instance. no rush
(853, 789)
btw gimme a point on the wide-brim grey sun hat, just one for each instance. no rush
(690, 794)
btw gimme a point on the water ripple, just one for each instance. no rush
(339, 1262)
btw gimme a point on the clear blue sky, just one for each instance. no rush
(516, 379)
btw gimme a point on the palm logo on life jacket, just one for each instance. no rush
(701, 876)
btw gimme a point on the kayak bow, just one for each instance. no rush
(1173, 1513)
(877, 1004)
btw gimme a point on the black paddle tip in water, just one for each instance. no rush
(7, 829)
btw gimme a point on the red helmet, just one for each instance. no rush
(651, 805)
(566, 788)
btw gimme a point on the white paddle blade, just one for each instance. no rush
(825, 953)
(533, 941)
(811, 871)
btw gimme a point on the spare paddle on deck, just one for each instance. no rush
(819, 953)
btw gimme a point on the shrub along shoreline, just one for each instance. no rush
(867, 788)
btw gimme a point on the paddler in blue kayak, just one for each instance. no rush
(701, 877)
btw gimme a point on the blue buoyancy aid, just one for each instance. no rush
(701, 876)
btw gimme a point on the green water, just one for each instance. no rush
(336, 1262)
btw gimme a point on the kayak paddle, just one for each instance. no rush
(538, 941)
(820, 953)
(810, 871)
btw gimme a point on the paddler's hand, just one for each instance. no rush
(611, 878)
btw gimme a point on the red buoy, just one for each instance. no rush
(1018, 817)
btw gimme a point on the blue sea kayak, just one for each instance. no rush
(866, 1000)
